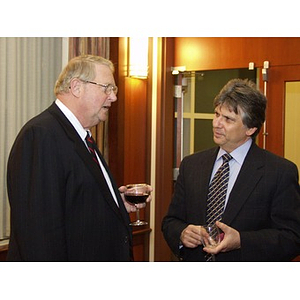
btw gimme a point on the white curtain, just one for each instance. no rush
(28, 70)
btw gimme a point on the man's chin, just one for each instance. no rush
(218, 140)
(103, 115)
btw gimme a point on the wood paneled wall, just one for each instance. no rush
(135, 131)
(129, 135)
(195, 54)
(227, 53)
(165, 144)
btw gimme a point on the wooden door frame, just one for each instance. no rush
(164, 145)
(278, 76)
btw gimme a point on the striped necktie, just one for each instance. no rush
(92, 147)
(217, 192)
(216, 196)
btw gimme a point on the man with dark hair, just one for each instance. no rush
(255, 203)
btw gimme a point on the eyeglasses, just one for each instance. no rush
(108, 88)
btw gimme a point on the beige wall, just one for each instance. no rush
(292, 122)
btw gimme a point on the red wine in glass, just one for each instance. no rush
(136, 198)
(135, 194)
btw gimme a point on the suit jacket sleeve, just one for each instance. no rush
(175, 220)
(188, 205)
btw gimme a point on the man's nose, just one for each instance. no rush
(113, 96)
(217, 122)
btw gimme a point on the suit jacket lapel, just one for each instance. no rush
(244, 184)
(205, 171)
(98, 175)
(121, 208)
(87, 158)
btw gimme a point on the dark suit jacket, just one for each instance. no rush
(264, 206)
(61, 206)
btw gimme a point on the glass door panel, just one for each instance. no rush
(203, 138)
(199, 89)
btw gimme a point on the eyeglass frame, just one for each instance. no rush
(113, 88)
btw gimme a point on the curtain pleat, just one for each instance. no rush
(29, 68)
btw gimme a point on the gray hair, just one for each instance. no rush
(243, 97)
(82, 67)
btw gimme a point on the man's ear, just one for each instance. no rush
(75, 87)
(250, 131)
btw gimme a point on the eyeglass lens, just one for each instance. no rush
(111, 88)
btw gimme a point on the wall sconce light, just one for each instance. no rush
(138, 57)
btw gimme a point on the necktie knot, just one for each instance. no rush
(89, 139)
(226, 157)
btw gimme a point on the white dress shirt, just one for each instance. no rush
(235, 164)
(82, 133)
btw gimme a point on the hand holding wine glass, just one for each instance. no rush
(211, 237)
(137, 194)
(229, 239)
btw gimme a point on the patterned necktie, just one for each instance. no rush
(92, 147)
(216, 196)
(217, 192)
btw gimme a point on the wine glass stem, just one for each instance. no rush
(138, 214)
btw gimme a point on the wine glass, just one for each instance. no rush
(135, 194)
(211, 237)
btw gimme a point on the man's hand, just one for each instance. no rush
(231, 240)
(131, 207)
(192, 236)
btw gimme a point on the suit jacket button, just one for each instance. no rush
(126, 239)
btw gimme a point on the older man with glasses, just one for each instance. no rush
(65, 205)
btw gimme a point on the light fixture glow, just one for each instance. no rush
(138, 57)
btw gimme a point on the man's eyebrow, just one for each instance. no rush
(233, 118)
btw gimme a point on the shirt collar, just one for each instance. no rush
(239, 153)
(71, 117)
